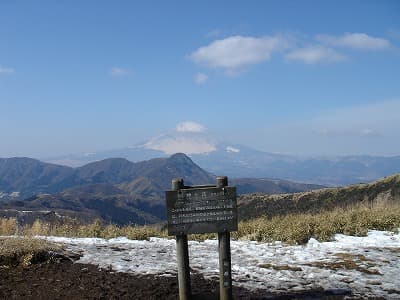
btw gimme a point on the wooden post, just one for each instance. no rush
(182, 253)
(224, 248)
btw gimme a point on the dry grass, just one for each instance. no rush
(280, 267)
(299, 228)
(8, 226)
(96, 229)
(348, 261)
(24, 251)
(292, 229)
(75, 229)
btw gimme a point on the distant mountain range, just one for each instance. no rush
(114, 189)
(28, 176)
(239, 161)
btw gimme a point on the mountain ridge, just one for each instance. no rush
(29, 176)
(117, 190)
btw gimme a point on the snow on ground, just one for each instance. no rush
(368, 266)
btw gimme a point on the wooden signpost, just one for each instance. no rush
(202, 209)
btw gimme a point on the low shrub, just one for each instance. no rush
(24, 251)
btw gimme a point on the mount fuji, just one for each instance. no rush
(239, 161)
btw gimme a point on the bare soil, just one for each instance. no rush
(63, 279)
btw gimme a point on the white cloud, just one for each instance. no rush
(190, 126)
(237, 52)
(6, 71)
(115, 71)
(315, 54)
(200, 78)
(359, 41)
(184, 144)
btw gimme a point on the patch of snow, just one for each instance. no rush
(89, 154)
(275, 267)
(34, 211)
(15, 194)
(231, 149)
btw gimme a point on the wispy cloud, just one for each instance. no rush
(200, 78)
(368, 121)
(6, 71)
(364, 129)
(190, 126)
(235, 53)
(360, 41)
(350, 132)
(315, 54)
(117, 72)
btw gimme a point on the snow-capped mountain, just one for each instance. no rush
(241, 161)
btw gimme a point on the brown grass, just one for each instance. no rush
(96, 229)
(8, 226)
(24, 251)
(280, 267)
(299, 228)
(292, 229)
(348, 261)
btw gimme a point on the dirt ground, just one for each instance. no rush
(67, 280)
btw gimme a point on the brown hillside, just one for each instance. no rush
(380, 192)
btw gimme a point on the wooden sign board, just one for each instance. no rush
(201, 210)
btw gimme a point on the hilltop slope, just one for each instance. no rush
(29, 176)
(380, 192)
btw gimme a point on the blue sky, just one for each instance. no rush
(299, 77)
